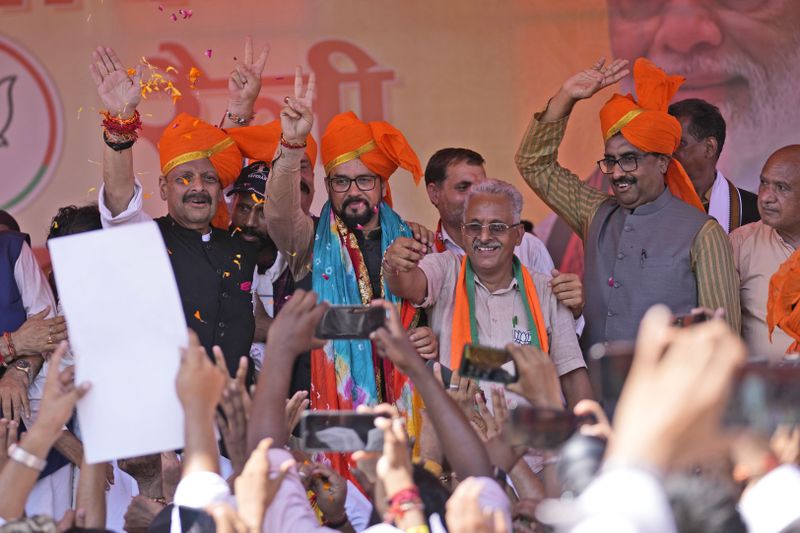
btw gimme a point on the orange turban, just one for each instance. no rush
(379, 145)
(647, 125)
(784, 296)
(188, 139)
(261, 142)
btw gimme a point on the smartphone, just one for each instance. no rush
(487, 364)
(350, 322)
(542, 428)
(447, 374)
(340, 431)
(765, 396)
(684, 321)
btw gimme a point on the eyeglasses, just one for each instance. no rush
(627, 163)
(342, 184)
(496, 229)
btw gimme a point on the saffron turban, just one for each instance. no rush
(261, 142)
(188, 139)
(646, 124)
(379, 145)
(782, 303)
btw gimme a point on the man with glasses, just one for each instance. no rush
(651, 242)
(488, 297)
(449, 175)
(342, 253)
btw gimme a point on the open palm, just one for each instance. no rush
(119, 92)
(588, 82)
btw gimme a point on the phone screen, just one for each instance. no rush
(488, 364)
(340, 431)
(541, 428)
(350, 322)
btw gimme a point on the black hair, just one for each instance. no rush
(528, 225)
(7, 220)
(705, 120)
(436, 170)
(73, 219)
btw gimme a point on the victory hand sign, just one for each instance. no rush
(297, 118)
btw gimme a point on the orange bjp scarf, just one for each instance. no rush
(465, 323)
(783, 302)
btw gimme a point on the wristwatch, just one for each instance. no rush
(23, 365)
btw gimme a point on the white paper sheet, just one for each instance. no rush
(126, 327)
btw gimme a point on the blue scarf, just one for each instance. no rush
(336, 280)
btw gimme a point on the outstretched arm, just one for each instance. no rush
(462, 446)
(290, 228)
(536, 159)
(291, 336)
(244, 85)
(120, 94)
(404, 277)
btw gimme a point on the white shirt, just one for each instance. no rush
(133, 213)
(36, 296)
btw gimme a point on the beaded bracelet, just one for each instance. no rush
(287, 144)
(239, 119)
(122, 126)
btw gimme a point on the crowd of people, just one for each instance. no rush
(674, 243)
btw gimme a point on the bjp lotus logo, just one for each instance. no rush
(31, 126)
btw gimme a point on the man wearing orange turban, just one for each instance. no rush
(650, 242)
(213, 269)
(767, 260)
(342, 252)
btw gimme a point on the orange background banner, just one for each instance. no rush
(448, 73)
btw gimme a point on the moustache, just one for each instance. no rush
(197, 196)
(477, 243)
(353, 200)
(630, 180)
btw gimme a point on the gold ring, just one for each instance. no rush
(49, 339)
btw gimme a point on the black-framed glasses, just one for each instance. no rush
(496, 229)
(342, 184)
(627, 163)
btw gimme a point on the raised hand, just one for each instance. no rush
(200, 382)
(292, 333)
(119, 92)
(297, 117)
(587, 83)
(295, 406)
(538, 379)
(392, 340)
(255, 487)
(60, 394)
(244, 83)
